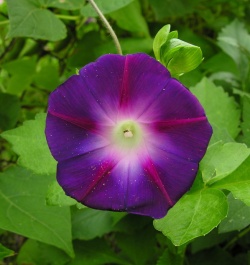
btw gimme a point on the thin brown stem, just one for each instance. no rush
(107, 25)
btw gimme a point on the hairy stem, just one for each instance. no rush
(107, 25)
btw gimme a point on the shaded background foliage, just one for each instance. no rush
(42, 43)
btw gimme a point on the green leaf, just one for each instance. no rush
(132, 223)
(130, 18)
(57, 197)
(89, 223)
(222, 159)
(168, 8)
(225, 79)
(95, 252)
(238, 182)
(37, 253)
(138, 247)
(8, 119)
(234, 40)
(241, 93)
(238, 216)
(214, 256)
(21, 71)
(84, 52)
(160, 38)
(5, 252)
(220, 134)
(190, 35)
(23, 209)
(210, 240)
(169, 258)
(129, 45)
(194, 215)
(16, 49)
(105, 6)
(24, 67)
(245, 125)
(220, 62)
(180, 57)
(30, 144)
(64, 4)
(191, 78)
(221, 110)
(47, 67)
(30, 19)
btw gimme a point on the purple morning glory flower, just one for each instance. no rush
(127, 136)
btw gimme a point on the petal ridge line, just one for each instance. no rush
(151, 103)
(94, 96)
(175, 156)
(126, 194)
(152, 172)
(161, 125)
(82, 123)
(102, 173)
(124, 89)
(86, 153)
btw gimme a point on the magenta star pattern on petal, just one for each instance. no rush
(127, 136)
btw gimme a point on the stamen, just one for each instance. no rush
(128, 134)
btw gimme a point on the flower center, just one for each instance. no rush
(127, 134)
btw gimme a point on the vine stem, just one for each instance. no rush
(107, 25)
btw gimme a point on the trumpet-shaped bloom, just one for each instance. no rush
(127, 136)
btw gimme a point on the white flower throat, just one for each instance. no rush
(127, 134)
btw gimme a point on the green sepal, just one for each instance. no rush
(163, 36)
(178, 56)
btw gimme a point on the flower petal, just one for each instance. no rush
(67, 140)
(174, 102)
(79, 175)
(143, 80)
(186, 138)
(176, 174)
(93, 168)
(99, 181)
(104, 80)
(130, 82)
(129, 188)
(73, 102)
